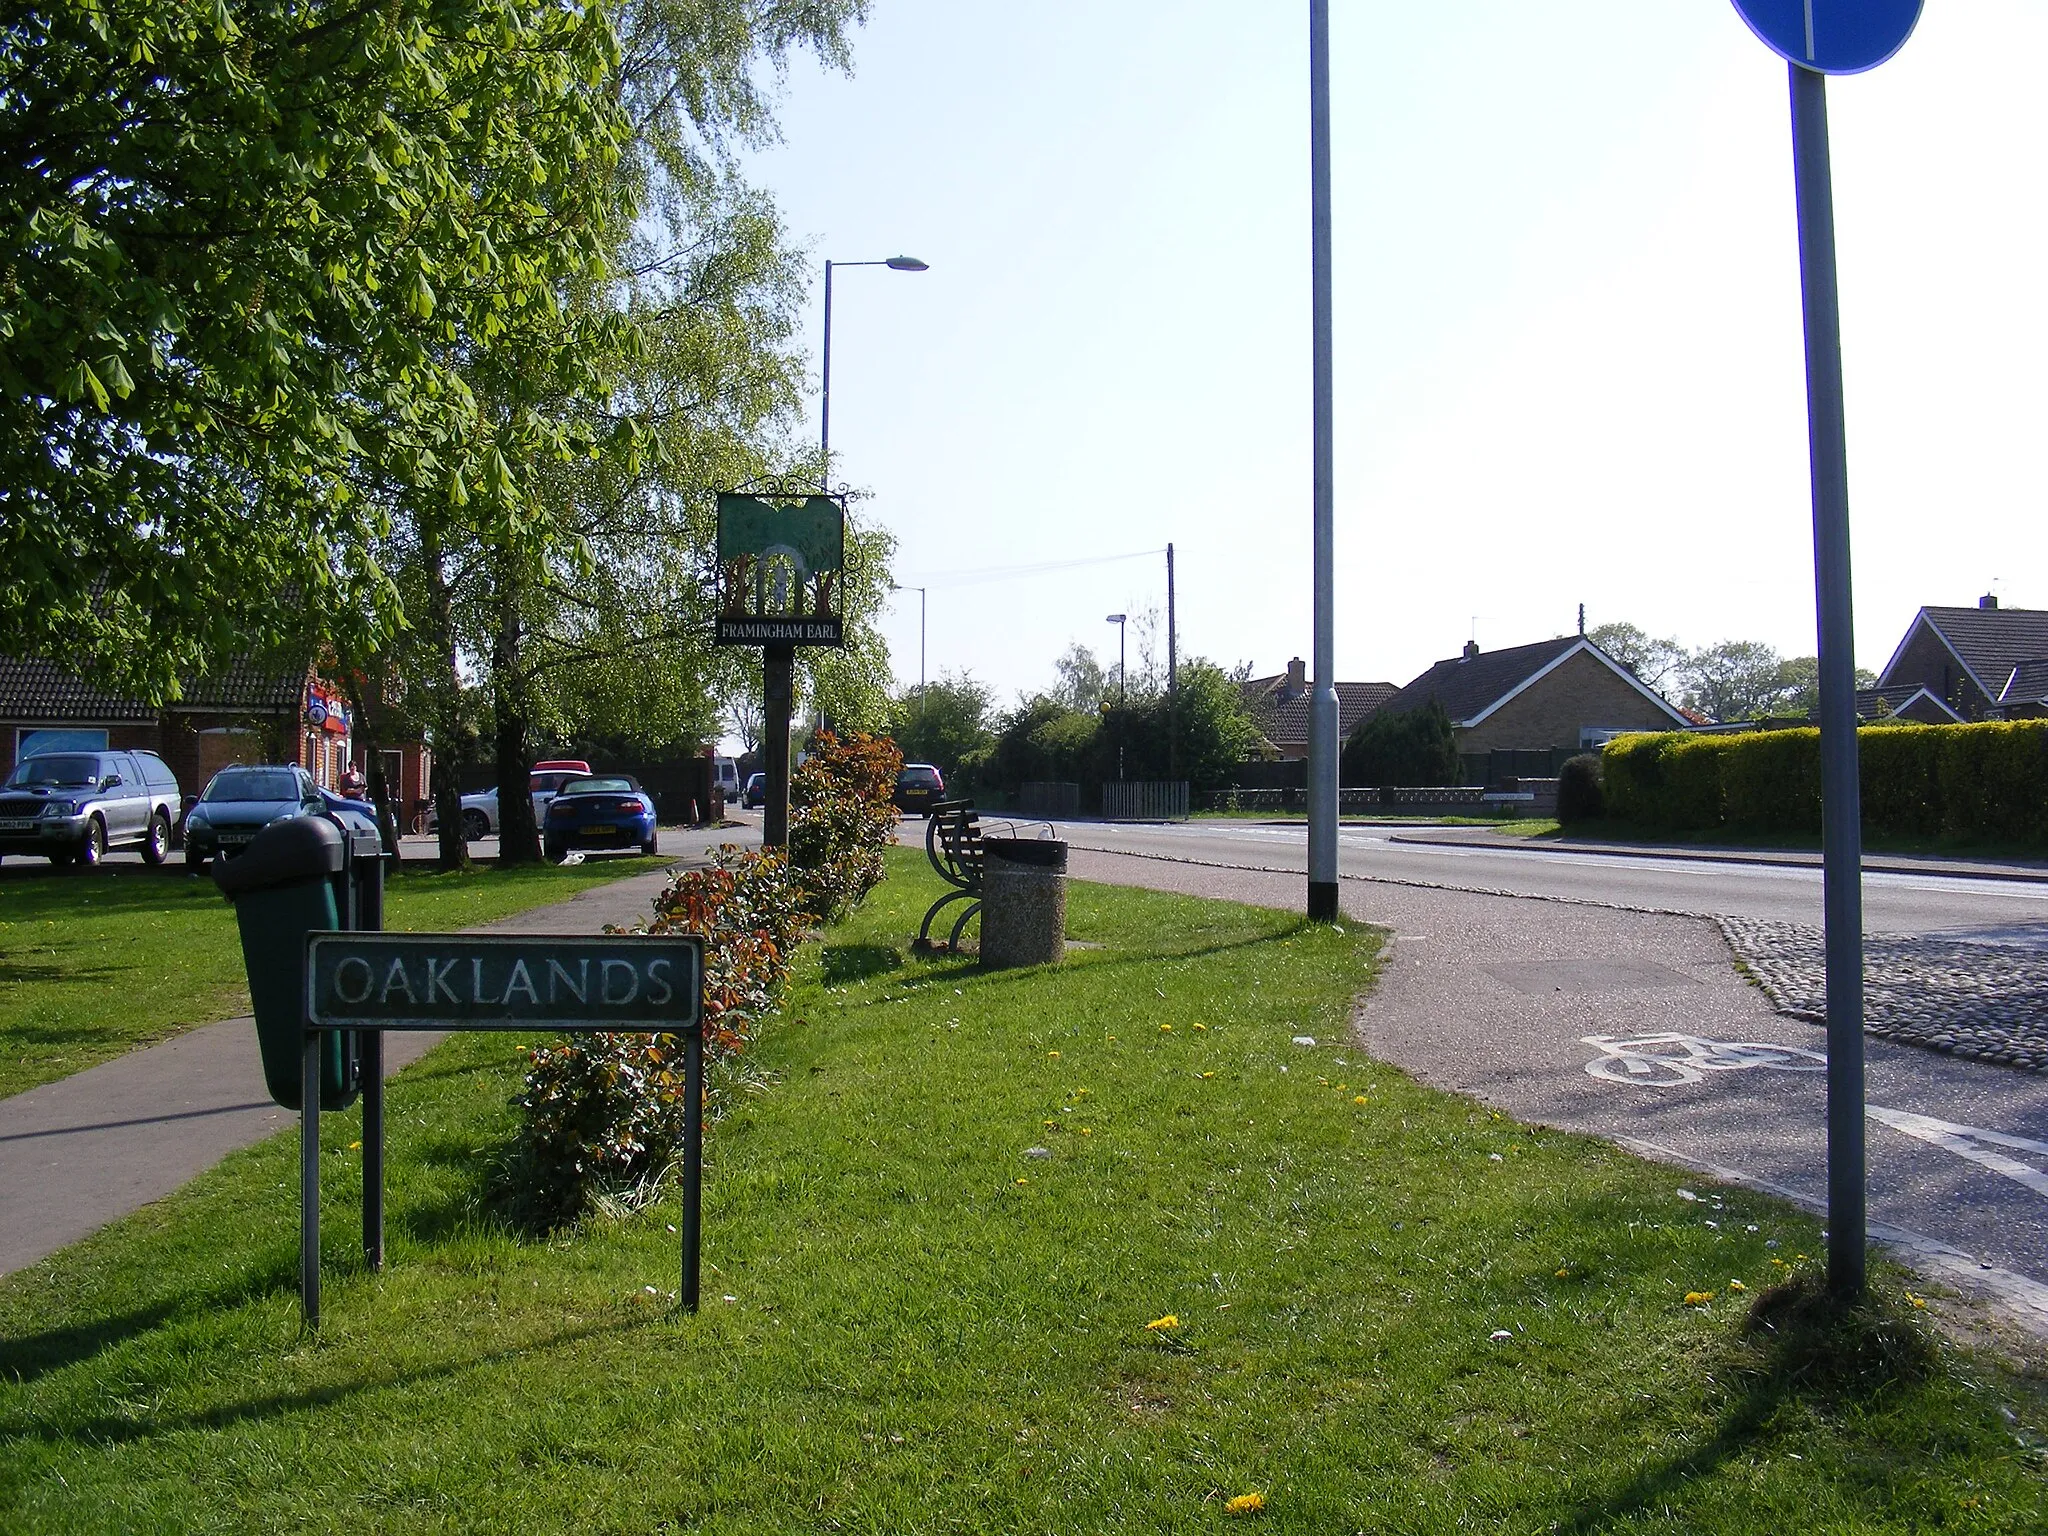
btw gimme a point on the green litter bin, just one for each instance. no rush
(295, 879)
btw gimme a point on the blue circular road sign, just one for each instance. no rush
(1832, 37)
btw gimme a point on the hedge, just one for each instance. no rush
(1977, 783)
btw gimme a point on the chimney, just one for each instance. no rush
(1471, 649)
(1297, 677)
(1988, 600)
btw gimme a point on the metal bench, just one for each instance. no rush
(952, 841)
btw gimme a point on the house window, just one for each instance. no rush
(1591, 736)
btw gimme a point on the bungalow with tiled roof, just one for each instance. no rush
(1968, 658)
(1547, 700)
(1279, 706)
(245, 713)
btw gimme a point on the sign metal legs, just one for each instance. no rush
(309, 1177)
(373, 1150)
(693, 1167)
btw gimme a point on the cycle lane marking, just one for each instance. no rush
(1648, 1061)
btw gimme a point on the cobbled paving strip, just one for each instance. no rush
(1985, 1001)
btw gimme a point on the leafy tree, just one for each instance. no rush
(1798, 686)
(1081, 678)
(1412, 748)
(249, 258)
(1651, 659)
(1735, 680)
(946, 723)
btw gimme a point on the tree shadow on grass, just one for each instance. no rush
(113, 1430)
(35, 1355)
(839, 963)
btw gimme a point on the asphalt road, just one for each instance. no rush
(2015, 911)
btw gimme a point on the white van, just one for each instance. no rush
(727, 773)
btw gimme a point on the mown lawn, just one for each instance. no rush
(96, 963)
(939, 1218)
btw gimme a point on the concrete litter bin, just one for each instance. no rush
(1023, 902)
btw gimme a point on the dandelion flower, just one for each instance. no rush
(1086, 1132)
(1564, 1274)
(355, 1146)
(1203, 1027)
(1052, 1055)
(1918, 1301)
(1245, 1504)
(1698, 1298)
(1023, 1181)
(1737, 1285)
(1164, 1324)
(1358, 1098)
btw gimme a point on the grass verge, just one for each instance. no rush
(95, 964)
(937, 1229)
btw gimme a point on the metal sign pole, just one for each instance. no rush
(693, 1165)
(777, 685)
(1841, 796)
(1322, 727)
(309, 1177)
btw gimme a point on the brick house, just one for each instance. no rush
(1279, 706)
(1512, 707)
(1980, 662)
(243, 714)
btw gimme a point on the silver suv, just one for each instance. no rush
(74, 806)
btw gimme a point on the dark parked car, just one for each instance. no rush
(74, 806)
(918, 786)
(242, 801)
(607, 810)
(755, 795)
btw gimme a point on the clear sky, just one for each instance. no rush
(1568, 362)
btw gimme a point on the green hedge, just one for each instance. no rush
(1979, 783)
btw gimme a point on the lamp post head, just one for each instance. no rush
(1114, 618)
(906, 264)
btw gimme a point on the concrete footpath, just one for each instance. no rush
(81, 1152)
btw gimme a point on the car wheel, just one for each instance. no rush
(195, 860)
(475, 825)
(653, 843)
(554, 851)
(62, 856)
(157, 846)
(94, 848)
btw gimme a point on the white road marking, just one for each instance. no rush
(1963, 1140)
(1671, 1059)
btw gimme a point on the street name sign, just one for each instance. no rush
(374, 981)
(433, 981)
(1832, 37)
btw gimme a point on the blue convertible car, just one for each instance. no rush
(603, 811)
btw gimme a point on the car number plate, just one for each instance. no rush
(600, 831)
(17, 824)
(228, 839)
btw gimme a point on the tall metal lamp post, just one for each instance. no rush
(1123, 690)
(778, 661)
(920, 591)
(894, 264)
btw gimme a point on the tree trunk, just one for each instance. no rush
(518, 835)
(446, 706)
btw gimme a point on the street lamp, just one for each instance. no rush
(894, 264)
(920, 642)
(1123, 692)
